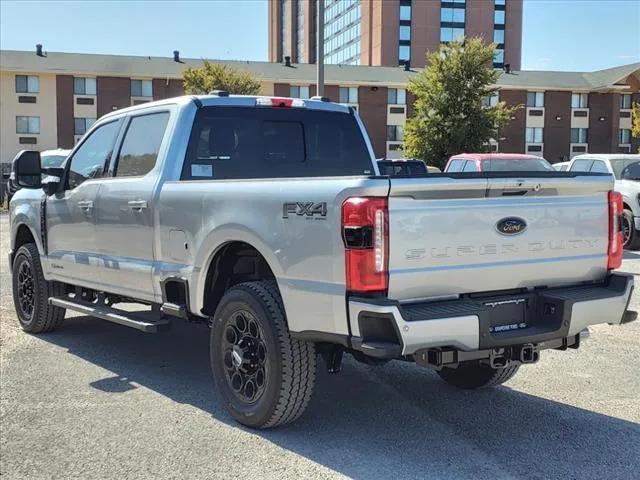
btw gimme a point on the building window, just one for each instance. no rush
(535, 99)
(28, 125)
(405, 11)
(625, 136)
(533, 135)
(81, 125)
(284, 26)
(395, 133)
(141, 88)
(27, 84)
(452, 15)
(348, 94)
(498, 33)
(404, 54)
(404, 39)
(296, 91)
(579, 135)
(300, 31)
(625, 101)
(342, 32)
(84, 86)
(579, 100)
(396, 96)
(405, 32)
(448, 34)
(452, 20)
(491, 100)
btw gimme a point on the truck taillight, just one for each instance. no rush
(365, 231)
(616, 239)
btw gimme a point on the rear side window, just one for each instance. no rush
(245, 143)
(581, 165)
(141, 144)
(599, 167)
(470, 166)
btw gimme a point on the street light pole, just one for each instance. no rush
(320, 49)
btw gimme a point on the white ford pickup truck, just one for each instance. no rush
(267, 218)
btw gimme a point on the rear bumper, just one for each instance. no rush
(389, 329)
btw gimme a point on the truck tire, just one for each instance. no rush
(264, 377)
(31, 293)
(475, 375)
(631, 236)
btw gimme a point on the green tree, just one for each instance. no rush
(216, 76)
(452, 114)
(635, 122)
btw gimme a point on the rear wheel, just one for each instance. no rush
(264, 377)
(31, 293)
(476, 375)
(631, 235)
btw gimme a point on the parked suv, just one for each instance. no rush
(268, 220)
(497, 162)
(626, 170)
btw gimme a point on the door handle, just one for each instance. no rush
(137, 205)
(85, 205)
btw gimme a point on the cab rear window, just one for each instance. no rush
(246, 143)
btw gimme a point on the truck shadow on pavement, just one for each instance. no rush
(394, 421)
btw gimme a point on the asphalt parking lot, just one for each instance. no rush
(97, 400)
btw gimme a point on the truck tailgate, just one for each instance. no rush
(445, 240)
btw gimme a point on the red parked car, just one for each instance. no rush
(497, 162)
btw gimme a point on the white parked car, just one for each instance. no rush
(626, 170)
(561, 166)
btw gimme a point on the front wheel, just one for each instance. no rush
(264, 377)
(476, 375)
(31, 292)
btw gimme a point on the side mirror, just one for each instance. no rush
(27, 168)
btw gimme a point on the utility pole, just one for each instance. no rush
(320, 49)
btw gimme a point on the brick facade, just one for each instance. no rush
(604, 122)
(557, 126)
(512, 136)
(64, 110)
(113, 93)
(163, 88)
(372, 106)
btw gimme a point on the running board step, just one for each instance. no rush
(175, 310)
(128, 319)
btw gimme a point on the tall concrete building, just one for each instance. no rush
(392, 32)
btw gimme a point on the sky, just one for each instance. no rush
(568, 35)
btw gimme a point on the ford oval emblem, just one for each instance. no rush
(511, 226)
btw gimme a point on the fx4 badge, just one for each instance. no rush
(305, 209)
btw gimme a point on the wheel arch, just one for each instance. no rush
(22, 233)
(218, 254)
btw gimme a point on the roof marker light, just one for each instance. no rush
(280, 102)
